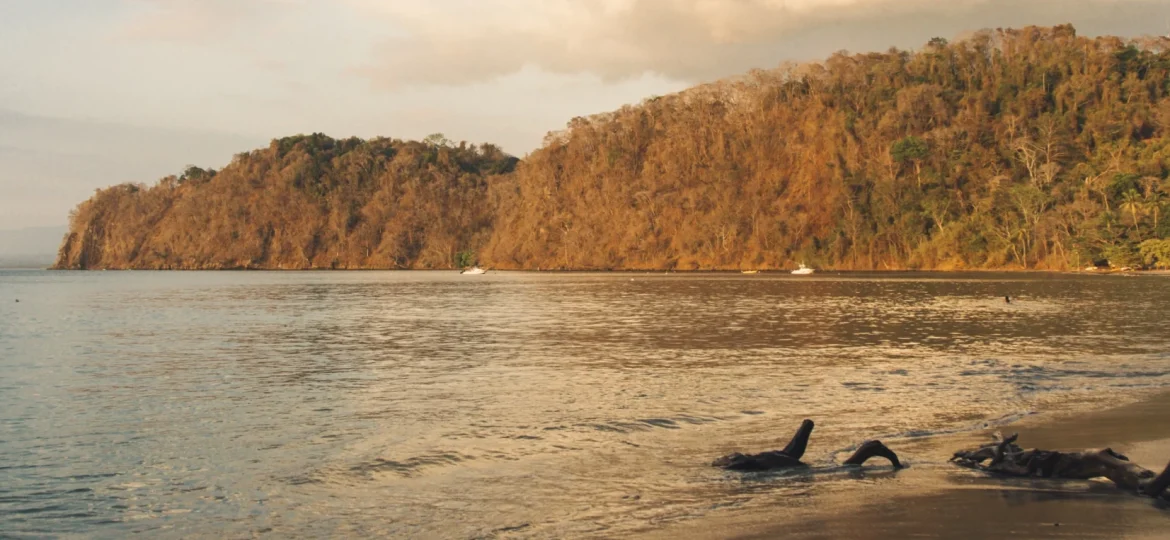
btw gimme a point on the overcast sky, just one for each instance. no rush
(97, 92)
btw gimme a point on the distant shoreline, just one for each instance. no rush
(24, 263)
(1105, 272)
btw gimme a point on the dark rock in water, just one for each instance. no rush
(764, 461)
(790, 456)
(872, 449)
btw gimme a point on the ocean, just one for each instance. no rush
(542, 405)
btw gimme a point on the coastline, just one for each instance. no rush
(935, 499)
(729, 271)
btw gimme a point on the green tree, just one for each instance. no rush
(1154, 203)
(437, 139)
(911, 150)
(464, 259)
(1132, 202)
(1156, 253)
(1123, 254)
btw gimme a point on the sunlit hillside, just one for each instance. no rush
(1029, 148)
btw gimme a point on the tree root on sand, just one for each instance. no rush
(1003, 456)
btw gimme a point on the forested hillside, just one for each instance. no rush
(304, 202)
(1028, 148)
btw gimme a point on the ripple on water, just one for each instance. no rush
(519, 405)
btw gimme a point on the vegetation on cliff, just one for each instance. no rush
(1030, 148)
(304, 202)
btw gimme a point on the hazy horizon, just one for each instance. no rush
(30, 247)
(108, 91)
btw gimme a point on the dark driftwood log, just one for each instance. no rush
(1003, 456)
(791, 454)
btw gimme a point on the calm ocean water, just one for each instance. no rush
(509, 405)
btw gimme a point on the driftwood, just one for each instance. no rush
(791, 454)
(1004, 457)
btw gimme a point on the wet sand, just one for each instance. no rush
(935, 499)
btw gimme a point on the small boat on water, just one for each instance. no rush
(803, 270)
(473, 271)
(749, 272)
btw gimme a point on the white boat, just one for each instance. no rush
(750, 272)
(803, 270)
(473, 271)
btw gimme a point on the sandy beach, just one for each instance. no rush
(935, 499)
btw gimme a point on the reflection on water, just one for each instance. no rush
(515, 405)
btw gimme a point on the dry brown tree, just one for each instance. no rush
(1004, 457)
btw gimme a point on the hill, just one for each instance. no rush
(304, 202)
(1031, 148)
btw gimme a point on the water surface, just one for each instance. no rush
(512, 405)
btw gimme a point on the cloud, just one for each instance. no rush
(455, 42)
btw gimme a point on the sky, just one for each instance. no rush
(99, 92)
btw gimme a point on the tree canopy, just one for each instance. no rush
(304, 202)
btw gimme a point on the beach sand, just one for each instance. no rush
(935, 499)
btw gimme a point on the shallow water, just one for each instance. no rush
(510, 404)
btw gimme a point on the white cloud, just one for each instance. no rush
(462, 41)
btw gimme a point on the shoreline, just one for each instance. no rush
(934, 498)
(730, 271)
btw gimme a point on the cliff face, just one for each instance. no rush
(304, 202)
(1028, 148)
